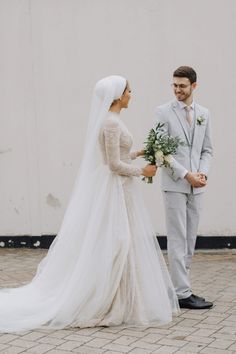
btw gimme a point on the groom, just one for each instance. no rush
(184, 184)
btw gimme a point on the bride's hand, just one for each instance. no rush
(140, 153)
(149, 171)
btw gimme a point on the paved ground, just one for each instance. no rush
(206, 331)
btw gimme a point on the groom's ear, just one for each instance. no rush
(194, 85)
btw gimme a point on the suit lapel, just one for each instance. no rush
(197, 126)
(180, 117)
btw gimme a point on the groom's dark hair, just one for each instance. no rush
(186, 71)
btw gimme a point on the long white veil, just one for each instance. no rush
(105, 92)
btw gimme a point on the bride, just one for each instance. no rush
(105, 266)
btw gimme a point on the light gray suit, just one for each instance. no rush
(182, 202)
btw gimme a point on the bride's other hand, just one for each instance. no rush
(140, 153)
(149, 171)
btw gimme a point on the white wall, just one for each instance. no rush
(53, 52)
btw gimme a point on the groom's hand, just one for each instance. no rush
(203, 176)
(197, 180)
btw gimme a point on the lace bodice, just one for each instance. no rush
(116, 142)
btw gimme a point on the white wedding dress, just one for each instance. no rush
(105, 266)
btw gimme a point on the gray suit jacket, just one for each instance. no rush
(194, 156)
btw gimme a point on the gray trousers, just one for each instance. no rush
(182, 219)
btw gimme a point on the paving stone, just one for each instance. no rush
(225, 336)
(125, 340)
(100, 334)
(33, 336)
(198, 339)
(89, 331)
(69, 345)
(23, 343)
(182, 351)
(139, 351)
(144, 345)
(187, 323)
(213, 319)
(216, 351)
(98, 342)
(5, 338)
(221, 344)
(131, 333)
(193, 347)
(60, 334)
(118, 348)
(57, 351)
(227, 330)
(52, 341)
(194, 316)
(40, 349)
(13, 350)
(204, 332)
(164, 349)
(179, 334)
(209, 326)
(233, 348)
(78, 338)
(152, 337)
(158, 330)
(88, 350)
(172, 342)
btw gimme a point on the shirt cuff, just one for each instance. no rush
(183, 174)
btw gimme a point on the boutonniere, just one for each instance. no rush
(200, 120)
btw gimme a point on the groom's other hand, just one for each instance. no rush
(203, 176)
(196, 179)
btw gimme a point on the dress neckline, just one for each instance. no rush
(114, 114)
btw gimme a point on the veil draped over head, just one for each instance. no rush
(105, 92)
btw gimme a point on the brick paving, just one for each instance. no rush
(204, 331)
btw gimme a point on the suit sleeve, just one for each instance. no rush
(177, 171)
(207, 149)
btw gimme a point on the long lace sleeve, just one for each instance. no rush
(112, 146)
(133, 155)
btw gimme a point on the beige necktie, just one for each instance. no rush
(188, 115)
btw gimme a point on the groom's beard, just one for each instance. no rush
(183, 96)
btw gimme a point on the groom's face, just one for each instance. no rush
(183, 89)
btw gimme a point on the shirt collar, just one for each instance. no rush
(182, 105)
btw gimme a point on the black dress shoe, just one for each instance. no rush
(195, 304)
(198, 297)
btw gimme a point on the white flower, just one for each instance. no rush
(168, 159)
(200, 120)
(158, 154)
(159, 158)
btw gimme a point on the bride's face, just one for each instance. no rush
(125, 97)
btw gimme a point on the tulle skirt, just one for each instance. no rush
(104, 268)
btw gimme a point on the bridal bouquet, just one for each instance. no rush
(159, 148)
